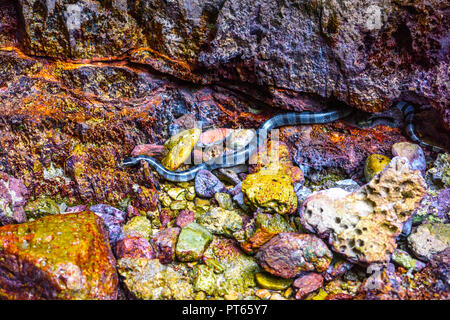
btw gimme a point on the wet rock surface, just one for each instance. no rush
(84, 84)
(374, 52)
(57, 257)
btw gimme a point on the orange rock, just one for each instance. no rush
(57, 257)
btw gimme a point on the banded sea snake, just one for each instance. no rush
(286, 119)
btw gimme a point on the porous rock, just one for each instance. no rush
(364, 225)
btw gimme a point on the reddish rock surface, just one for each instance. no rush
(288, 254)
(57, 257)
(364, 53)
(164, 244)
(151, 150)
(306, 284)
(184, 217)
(133, 247)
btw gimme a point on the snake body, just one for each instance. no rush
(407, 110)
(285, 119)
(242, 155)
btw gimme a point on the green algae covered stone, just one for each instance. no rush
(270, 282)
(192, 242)
(227, 270)
(375, 163)
(57, 257)
(148, 279)
(41, 207)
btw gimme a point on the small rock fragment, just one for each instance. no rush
(164, 243)
(403, 259)
(207, 184)
(220, 221)
(412, 152)
(184, 218)
(306, 284)
(179, 148)
(133, 247)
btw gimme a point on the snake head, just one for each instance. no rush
(129, 162)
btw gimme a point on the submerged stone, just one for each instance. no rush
(192, 242)
(148, 279)
(13, 196)
(228, 271)
(221, 222)
(268, 281)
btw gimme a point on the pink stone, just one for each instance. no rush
(307, 283)
(150, 150)
(184, 217)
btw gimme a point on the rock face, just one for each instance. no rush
(365, 53)
(164, 243)
(57, 257)
(363, 225)
(288, 254)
